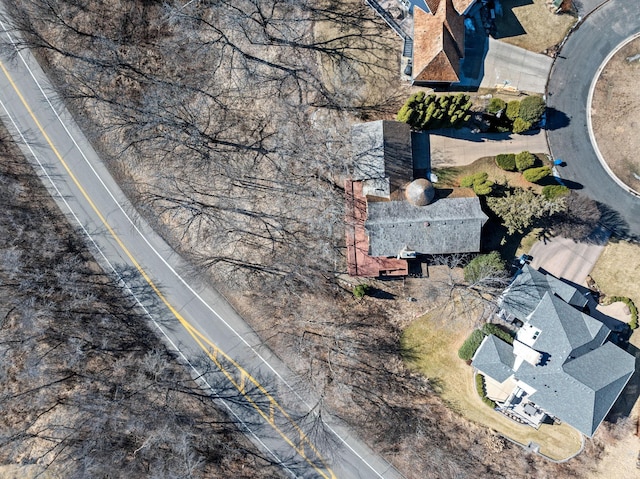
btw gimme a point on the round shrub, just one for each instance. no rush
(534, 175)
(525, 160)
(506, 161)
(551, 192)
(531, 109)
(513, 109)
(482, 267)
(495, 105)
(520, 125)
(479, 182)
(360, 290)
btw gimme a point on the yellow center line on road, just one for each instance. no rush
(205, 344)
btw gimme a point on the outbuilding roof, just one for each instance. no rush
(382, 156)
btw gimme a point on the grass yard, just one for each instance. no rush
(450, 177)
(617, 271)
(433, 341)
(531, 25)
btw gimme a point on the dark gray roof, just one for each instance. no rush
(580, 375)
(449, 225)
(584, 389)
(494, 358)
(382, 150)
(529, 287)
(565, 331)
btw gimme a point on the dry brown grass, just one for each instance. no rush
(617, 271)
(376, 71)
(532, 26)
(434, 340)
(29, 471)
(616, 97)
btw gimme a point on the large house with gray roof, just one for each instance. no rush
(560, 365)
(393, 213)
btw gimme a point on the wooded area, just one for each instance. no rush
(86, 387)
(228, 124)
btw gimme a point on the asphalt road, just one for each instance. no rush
(271, 406)
(571, 78)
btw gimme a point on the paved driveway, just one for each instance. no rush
(511, 66)
(565, 258)
(453, 147)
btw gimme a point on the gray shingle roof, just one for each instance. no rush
(580, 376)
(451, 225)
(584, 389)
(494, 358)
(565, 331)
(529, 287)
(382, 150)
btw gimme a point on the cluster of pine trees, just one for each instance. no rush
(424, 112)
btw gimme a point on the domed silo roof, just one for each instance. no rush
(420, 192)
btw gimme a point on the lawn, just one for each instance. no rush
(433, 341)
(450, 177)
(617, 271)
(531, 25)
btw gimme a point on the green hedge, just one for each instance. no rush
(513, 109)
(471, 344)
(534, 175)
(633, 324)
(506, 161)
(482, 391)
(491, 328)
(531, 109)
(551, 192)
(525, 160)
(424, 112)
(360, 290)
(520, 125)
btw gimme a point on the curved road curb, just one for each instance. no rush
(570, 81)
(592, 137)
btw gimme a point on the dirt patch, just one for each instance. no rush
(616, 96)
(532, 25)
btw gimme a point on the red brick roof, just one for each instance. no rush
(359, 263)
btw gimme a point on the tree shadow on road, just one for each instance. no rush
(556, 119)
(614, 222)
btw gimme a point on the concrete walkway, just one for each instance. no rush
(461, 147)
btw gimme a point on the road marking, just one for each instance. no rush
(212, 351)
(163, 260)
